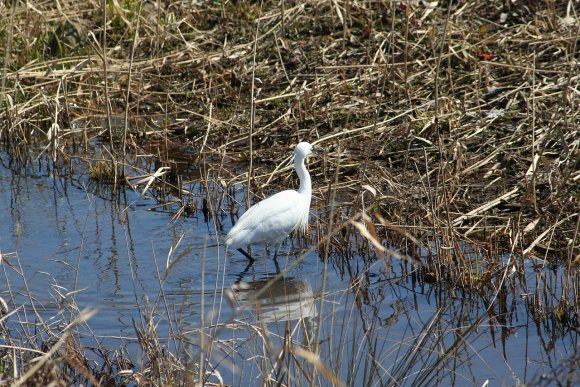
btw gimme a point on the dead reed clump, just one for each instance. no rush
(101, 171)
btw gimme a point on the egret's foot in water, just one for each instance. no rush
(240, 276)
(250, 258)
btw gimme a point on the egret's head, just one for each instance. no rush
(304, 150)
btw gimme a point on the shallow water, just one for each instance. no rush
(75, 245)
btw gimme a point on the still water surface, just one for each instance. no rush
(74, 244)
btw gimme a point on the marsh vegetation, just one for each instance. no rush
(443, 245)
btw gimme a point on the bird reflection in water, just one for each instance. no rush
(280, 299)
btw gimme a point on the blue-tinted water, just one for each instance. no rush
(76, 246)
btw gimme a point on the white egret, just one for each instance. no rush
(274, 218)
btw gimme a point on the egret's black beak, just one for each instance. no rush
(318, 150)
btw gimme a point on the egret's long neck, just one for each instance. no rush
(305, 183)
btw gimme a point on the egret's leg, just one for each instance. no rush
(246, 255)
(276, 265)
(276, 257)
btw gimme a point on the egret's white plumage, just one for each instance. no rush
(274, 218)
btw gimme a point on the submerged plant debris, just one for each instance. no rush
(450, 129)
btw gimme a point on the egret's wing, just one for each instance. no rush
(282, 217)
(270, 220)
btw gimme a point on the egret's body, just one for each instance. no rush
(274, 218)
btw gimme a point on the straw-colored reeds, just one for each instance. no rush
(451, 129)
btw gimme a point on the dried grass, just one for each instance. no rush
(450, 129)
